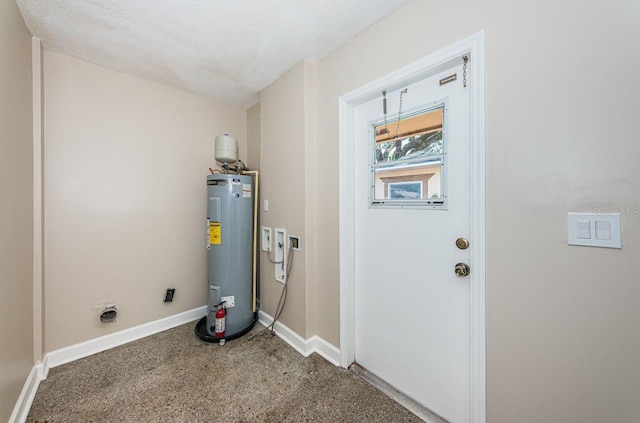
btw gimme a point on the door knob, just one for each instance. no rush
(462, 269)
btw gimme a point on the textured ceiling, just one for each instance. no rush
(227, 50)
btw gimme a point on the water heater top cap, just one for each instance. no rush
(226, 150)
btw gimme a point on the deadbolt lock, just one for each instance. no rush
(462, 269)
(462, 243)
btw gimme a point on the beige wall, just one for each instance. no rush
(284, 131)
(253, 137)
(562, 136)
(125, 197)
(16, 207)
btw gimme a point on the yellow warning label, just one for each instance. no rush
(214, 233)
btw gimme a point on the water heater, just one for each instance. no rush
(229, 255)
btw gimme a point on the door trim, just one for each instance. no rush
(439, 61)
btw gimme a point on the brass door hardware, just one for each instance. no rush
(462, 269)
(462, 243)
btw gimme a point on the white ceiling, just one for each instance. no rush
(222, 49)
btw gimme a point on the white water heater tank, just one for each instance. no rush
(226, 149)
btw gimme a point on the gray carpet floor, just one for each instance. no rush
(174, 377)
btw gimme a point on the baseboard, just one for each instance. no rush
(306, 347)
(325, 350)
(297, 342)
(23, 405)
(103, 343)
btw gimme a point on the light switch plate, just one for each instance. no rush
(594, 229)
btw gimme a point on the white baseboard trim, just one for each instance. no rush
(306, 347)
(297, 342)
(325, 350)
(103, 343)
(23, 405)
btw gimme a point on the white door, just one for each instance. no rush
(412, 311)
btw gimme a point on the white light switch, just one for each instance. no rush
(603, 230)
(583, 229)
(594, 229)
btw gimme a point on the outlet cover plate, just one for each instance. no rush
(265, 244)
(295, 243)
(168, 296)
(280, 246)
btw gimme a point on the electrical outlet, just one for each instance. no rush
(266, 239)
(281, 255)
(168, 296)
(294, 243)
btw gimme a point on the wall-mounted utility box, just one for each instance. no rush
(295, 243)
(594, 229)
(265, 243)
(280, 245)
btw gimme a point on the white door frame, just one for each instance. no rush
(472, 46)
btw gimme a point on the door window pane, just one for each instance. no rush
(408, 159)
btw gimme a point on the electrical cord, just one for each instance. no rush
(283, 297)
(274, 262)
(283, 294)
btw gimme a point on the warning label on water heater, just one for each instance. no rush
(214, 233)
(229, 302)
(246, 190)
